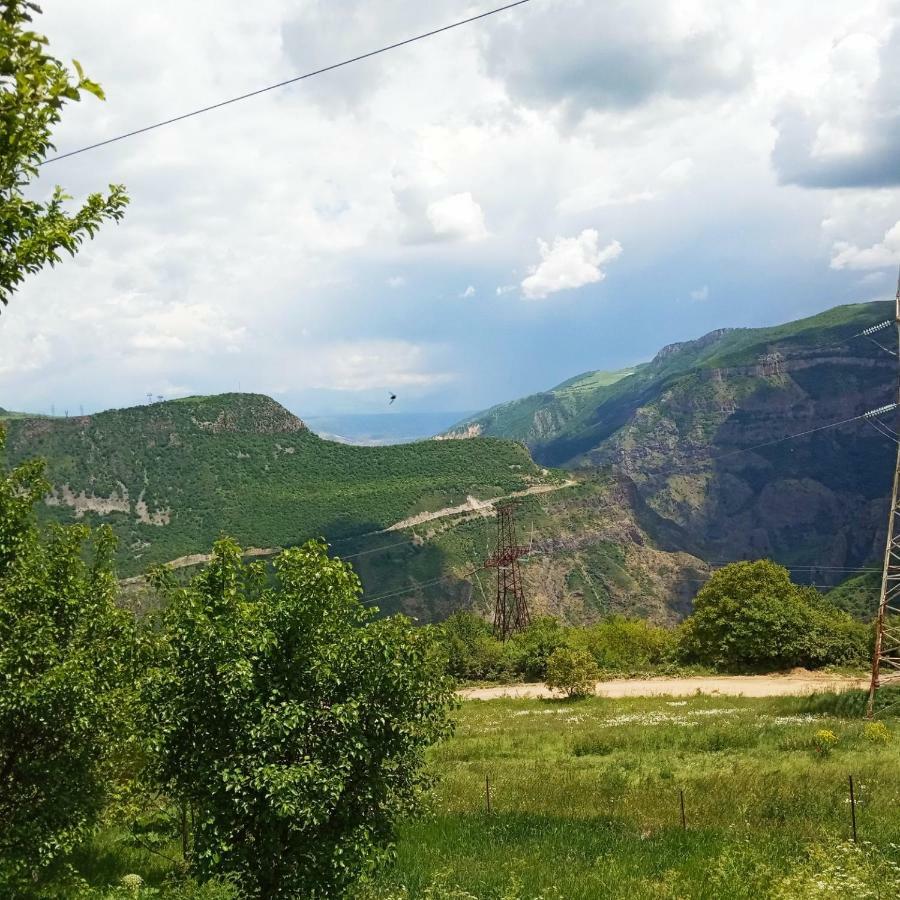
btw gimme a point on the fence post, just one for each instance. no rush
(853, 808)
(487, 792)
(683, 820)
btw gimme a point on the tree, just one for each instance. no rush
(34, 88)
(750, 615)
(289, 721)
(572, 671)
(65, 670)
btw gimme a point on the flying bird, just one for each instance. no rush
(393, 398)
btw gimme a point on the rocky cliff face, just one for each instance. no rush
(685, 430)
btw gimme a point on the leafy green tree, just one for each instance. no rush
(750, 615)
(572, 671)
(290, 721)
(65, 669)
(34, 88)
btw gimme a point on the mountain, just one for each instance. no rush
(538, 417)
(414, 519)
(377, 429)
(645, 478)
(171, 476)
(679, 429)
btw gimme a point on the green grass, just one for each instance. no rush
(585, 801)
(585, 805)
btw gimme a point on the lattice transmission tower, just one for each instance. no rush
(510, 609)
(886, 652)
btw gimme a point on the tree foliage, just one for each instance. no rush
(65, 666)
(572, 671)
(34, 88)
(750, 615)
(290, 721)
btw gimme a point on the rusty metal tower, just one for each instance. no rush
(886, 652)
(510, 609)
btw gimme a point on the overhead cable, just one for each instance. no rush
(286, 82)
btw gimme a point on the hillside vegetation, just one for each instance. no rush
(171, 477)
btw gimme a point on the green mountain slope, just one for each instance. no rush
(677, 427)
(542, 416)
(170, 477)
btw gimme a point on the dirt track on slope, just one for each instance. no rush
(788, 684)
(472, 504)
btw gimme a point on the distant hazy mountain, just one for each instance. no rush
(374, 429)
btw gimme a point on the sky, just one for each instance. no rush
(567, 186)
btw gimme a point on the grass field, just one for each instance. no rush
(585, 802)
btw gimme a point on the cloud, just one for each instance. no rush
(263, 239)
(846, 133)
(616, 55)
(468, 292)
(701, 293)
(569, 263)
(457, 218)
(370, 364)
(396, 281)
(885, 253)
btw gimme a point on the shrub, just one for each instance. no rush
(572, 671)
(527, 651)
(877, 733)
(290, 721)
(472, 651)
(627, 645)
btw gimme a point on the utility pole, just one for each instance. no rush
(886, 652)
(510, 610)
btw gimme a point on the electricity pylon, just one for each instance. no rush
(510, 609)
(886, 652)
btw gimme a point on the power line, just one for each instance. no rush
(286, 82)
(422, 584)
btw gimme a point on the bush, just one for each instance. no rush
(749, 615)
(572, 671)
(626, 645)
(290, 721)
(472, 650)
(527, 651)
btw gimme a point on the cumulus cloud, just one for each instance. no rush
(701, 293)
(468, 292)
(457, 218)
(846, 132)
(396, 281)
(618, 54)
(569, 263)
(885, 253)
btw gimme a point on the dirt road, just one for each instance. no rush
(736, 685)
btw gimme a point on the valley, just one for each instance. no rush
(642, 479)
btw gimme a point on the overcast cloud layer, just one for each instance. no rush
(565, 187)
